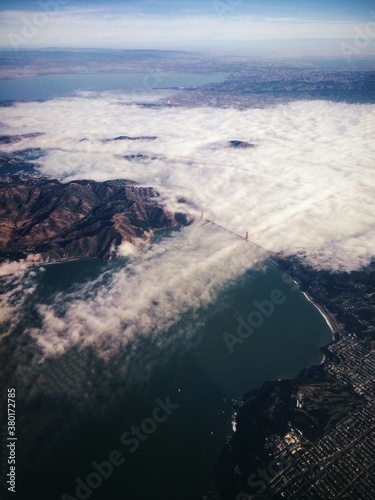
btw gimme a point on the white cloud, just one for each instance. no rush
(307, 186)
(182, 274)
(127, 249)
(307, 189)
(16, 287)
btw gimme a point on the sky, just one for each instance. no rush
(206, 25)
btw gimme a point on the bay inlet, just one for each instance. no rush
(88, 403)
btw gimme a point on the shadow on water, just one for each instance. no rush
(73, 410)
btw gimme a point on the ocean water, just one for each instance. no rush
(74, 410)
(54, 86)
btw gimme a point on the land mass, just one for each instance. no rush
(313, 436)
(52, 221)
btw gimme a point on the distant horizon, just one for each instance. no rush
(286, 28)
(11, 62)
(256, 54)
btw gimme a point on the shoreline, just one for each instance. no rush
(328, 318)
(24, 265)
(331, 322)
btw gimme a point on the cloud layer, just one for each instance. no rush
(179, 275)
(307, 189)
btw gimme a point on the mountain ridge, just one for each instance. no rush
(83, 218)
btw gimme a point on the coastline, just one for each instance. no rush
(331, 322)
(328, 318)
(9, 267)
(253, 395)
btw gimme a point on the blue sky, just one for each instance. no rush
(208, 25)
(344, 9)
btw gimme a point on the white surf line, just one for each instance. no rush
(326, 316)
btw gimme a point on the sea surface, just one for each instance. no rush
(54, 86)
(74, 409)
